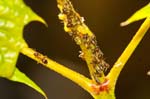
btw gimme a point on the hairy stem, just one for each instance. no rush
(118, 66)
(79, 79)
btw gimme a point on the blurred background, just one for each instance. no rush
(103, 17)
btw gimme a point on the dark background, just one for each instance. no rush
(103, 17)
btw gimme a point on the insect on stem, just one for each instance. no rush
(77, 29)
(41, 58)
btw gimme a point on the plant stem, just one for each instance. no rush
(79, 79)
(118, 66)
(83, 36)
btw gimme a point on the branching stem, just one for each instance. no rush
(118, 66)
(79, 79)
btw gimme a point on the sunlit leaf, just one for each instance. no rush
(140, 14)
(14, 15)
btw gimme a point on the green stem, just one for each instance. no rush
(79, 79)
(118, 66)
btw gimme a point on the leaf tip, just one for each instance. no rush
(35, 17)
(125, 23)
(42, 21)
(18, 76)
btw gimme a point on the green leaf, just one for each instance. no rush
(22, 78)
(14, 15)
(140, 14)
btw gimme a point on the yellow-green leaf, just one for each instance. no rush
(140, 14)
(22, 78)
(14, 15)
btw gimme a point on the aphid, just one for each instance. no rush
(93, 40)
(98, 69)
(72, 34)
(98, 51)
(36, 54)
(85, 36)
(77, 40)
(81, 55)
(96, 78)
(105, 65)
(69, 22)
(77, 20)
(82, 19)
(44, 60)
(68, 5)
(100, 55)
(94, 61)
(87, 44)
(73, 20)
(65, 11)
(67, 8)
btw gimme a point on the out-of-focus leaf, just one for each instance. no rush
(14, 15)
(140, 14)
(22, 78)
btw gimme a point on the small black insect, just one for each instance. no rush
(96, 78)
(93, 40)
(44, 60)
(65, 11)
(69, 23)
(98, 70)
(36, 54)
(81, 55)
(85, 36)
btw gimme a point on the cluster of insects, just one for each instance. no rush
(72, 18)
(97, 60)
(72, 21)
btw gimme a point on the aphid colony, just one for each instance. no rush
(72, 22)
